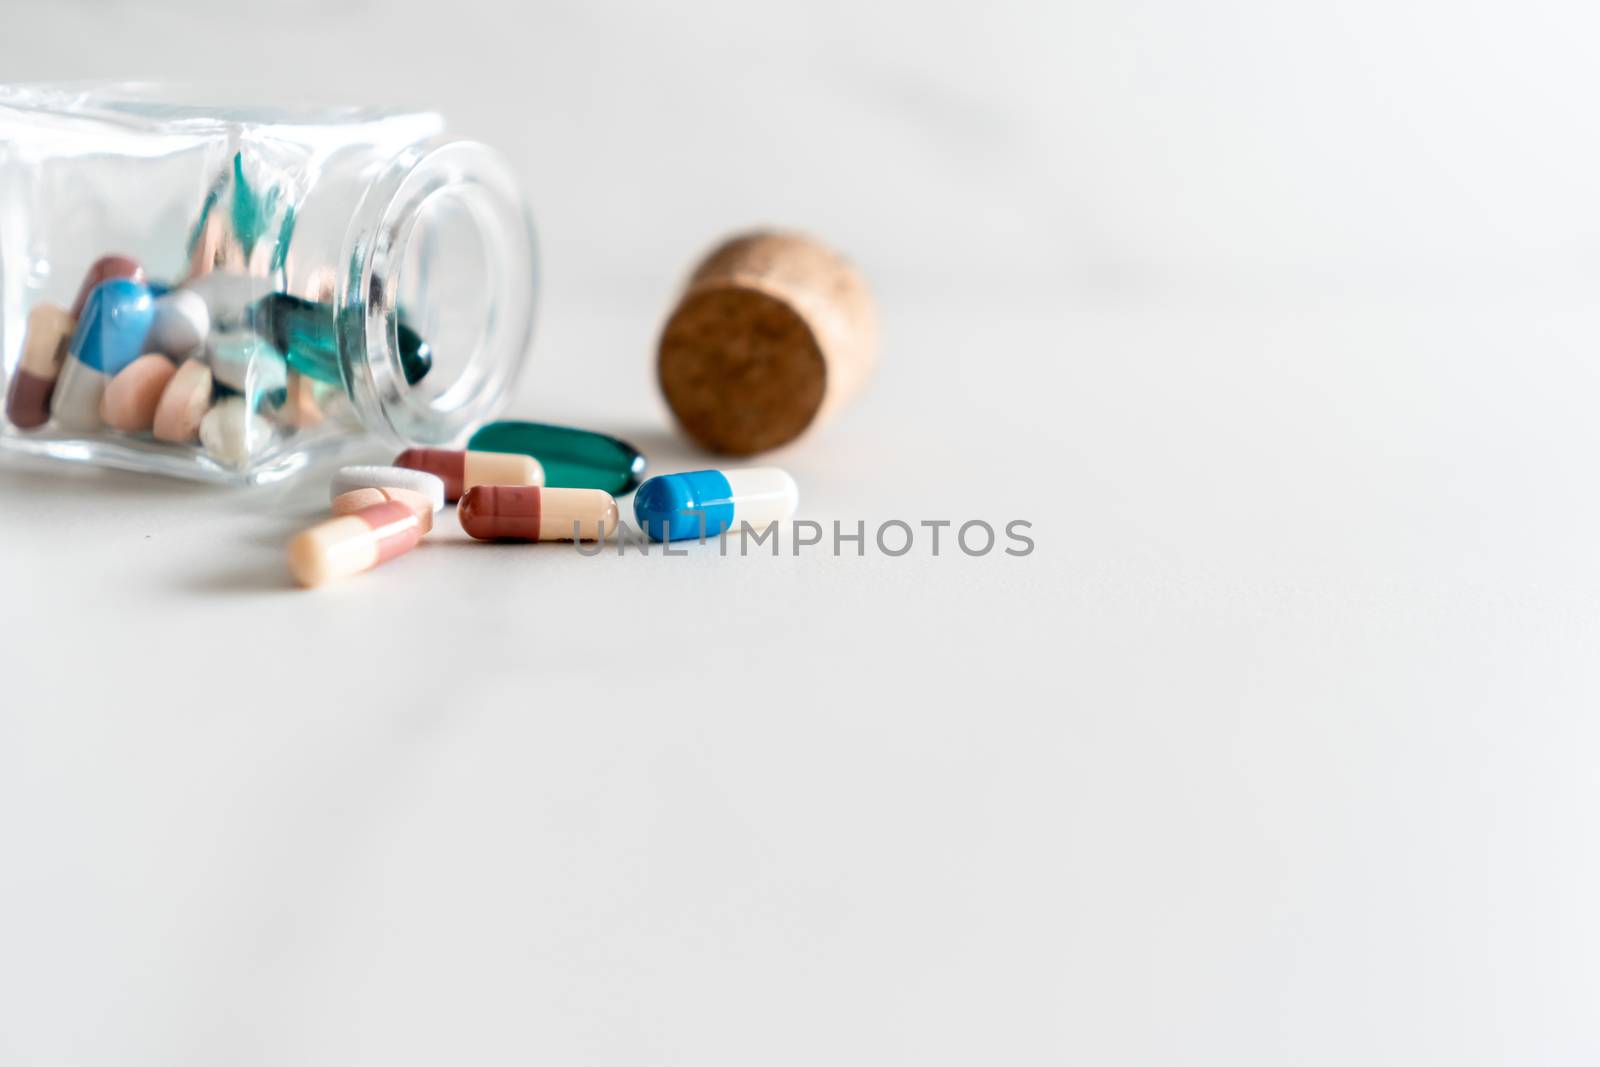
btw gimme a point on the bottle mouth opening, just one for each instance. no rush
(442, 275)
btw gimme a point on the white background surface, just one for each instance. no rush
(1276, 320)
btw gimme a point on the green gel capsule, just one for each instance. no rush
(416, 358)
(303, 331)
(572, 459)
(249, 213)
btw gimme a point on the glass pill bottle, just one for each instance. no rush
(220, 292)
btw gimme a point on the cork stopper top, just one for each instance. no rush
(773, 331)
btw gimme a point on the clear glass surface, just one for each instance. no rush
(336, 250)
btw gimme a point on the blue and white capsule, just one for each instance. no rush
(109, 336)
(681, 507)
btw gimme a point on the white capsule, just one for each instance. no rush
(675, 507)
(231, 433)
(366, 476)
(764, 495)
(75, 404)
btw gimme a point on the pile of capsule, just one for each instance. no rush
(220, 359)
(528, 482)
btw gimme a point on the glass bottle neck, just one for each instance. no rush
(442, 244)
(431, 282)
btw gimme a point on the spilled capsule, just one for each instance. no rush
(461, 471)
(361, 499)
(532, 513)
(354, 543)
(677, 507)
(572, 459)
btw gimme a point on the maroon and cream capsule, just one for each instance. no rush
(44, 350)
(532, 513)
(461, 471)
(354, 543)
(103, 270)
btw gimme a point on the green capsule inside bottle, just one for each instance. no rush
(305, 332)
(571, 458)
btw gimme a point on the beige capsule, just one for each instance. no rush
(300, 407)
(350, 544)
(216, 248)
(321, 285)
(49, 334)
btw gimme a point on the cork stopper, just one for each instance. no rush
(773, 333)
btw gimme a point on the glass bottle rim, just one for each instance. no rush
(398, 210)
